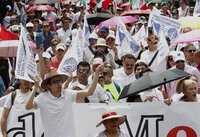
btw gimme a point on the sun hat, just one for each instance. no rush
(110, 115)
(101, 42)
(51, 74)
(179, 55)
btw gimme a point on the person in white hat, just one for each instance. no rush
(56, 104)
(111, 121)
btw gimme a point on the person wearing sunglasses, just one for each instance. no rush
(170, 60)
(180, 63)
(189, 51)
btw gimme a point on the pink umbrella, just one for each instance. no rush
(192, 36)
(136, 12)
(8, 48)
(114, 21)
(41, 8)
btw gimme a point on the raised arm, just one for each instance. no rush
(84, 93)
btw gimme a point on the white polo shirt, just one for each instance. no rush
(63, 35)
(121, 78)
(57, 114)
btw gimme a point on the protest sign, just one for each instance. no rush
(73, 55)
(125, 41)
(168, 26)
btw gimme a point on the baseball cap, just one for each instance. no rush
(60, 46)
(93, 36)
(97, 61)
(45, 55)
(30, 24)
(179, 55)
(104, 28)
(15, 28)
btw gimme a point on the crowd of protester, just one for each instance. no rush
(104, 71)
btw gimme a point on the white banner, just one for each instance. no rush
(197, 8)
(140, 36)
(73, 56)
(126, 42)
(168, 26)
(86, 33)
(26, 67)
(145, 119)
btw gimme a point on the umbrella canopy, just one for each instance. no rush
(114, 21)
(152, 80)
(136, 12)
(190, 21)
(41, 8)
(41, 1)
(8, 48)
(95, 19)
(192, 36)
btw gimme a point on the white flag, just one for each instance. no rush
(86, 32)
(163, 49)
(73, 55)
(197, 8)
(125, 41)
(140, 36)
(26, 67)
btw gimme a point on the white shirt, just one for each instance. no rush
(176, 97)
(182, 13)
(63, 35)
(98, 95)
(87, 54)
(121, 78)
(57, 114)
(122, 134)
(155, 93)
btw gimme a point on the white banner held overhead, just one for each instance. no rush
(140, 36)
(73, 56)
(125, 41)
(26, 67)
(168, 26)
(86, 32)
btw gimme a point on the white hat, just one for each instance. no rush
(82, 87)
(112, 114)
(97, 61)
(30, 24)
(111, 35)
(15, 28)
(179, 55)
(171, 53)
(61, 46)
(101, 42)
(93, 36)
(44, 55)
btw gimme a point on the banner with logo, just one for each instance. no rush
(145, 120)
(168, 26)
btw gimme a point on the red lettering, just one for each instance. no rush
(189, 131)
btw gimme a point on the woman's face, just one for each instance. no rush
(191, 92)
(171, 61)
(111, 123)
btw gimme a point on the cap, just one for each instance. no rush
(179, 55)
(30, 24)
(175, 11)
(104, 28)
(60, 46)
(111, 35)
(15, 28)
(93, 36)
(68, 42)
(97, 61)
(45, 55)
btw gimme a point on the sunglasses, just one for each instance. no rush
(191, 51)
(180, 61)
(45, 26)
(84, 70)
(92, 40)
(57, 81)
(170, 59)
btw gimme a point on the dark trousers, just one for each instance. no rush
(4, 67)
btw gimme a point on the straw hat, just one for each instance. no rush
(112, 114)
(51, 74)
(101, 42)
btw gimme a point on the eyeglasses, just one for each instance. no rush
(45, 26)
(129, 65)
(191, 51)
(170, 59)
(84, 70)
(92, 40)
(180, 61)
(57, 81)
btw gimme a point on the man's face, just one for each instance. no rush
(55, 84)
(107, 73)
(60, 53)
(103, 34)
(66, 24)
(47, 64)
(138, 70)
(25, 84)
(83, 73)
(46, 27)
(110, 41)
(151, 40)
(180, 64)
(189, 53)
(128, 65)
(93, 42)
(30, 29)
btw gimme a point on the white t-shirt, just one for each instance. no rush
(63, 35)
(176, 97)
(57, 114)
(155, 93)
(122, 134)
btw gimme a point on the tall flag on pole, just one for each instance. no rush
(86, 32)
(73, 55)
(125, 41)
(26, 67)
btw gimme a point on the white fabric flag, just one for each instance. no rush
(140, 36)
(73, 55)
(139, 4)
(26, 67)
(125, 41)
(197, 8)
(86, 32)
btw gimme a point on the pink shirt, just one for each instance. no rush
(55, 63)
(189, 69)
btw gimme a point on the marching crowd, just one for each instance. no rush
(104, 70)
